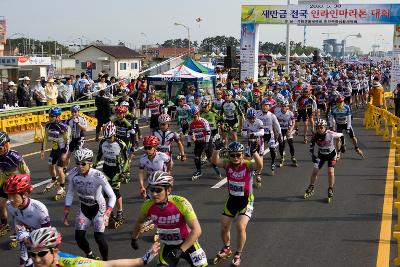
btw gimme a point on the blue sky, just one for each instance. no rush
(125, 20)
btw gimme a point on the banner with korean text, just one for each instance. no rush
(322, 14)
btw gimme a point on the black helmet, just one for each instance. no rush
(4, 138)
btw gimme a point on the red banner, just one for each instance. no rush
(3, 32)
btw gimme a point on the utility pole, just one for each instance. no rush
(288, 41)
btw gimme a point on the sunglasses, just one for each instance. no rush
(148, 147)
(156, 189)
(235, 155)
(81, 164)
(163, 124)
(52, 116)
(38, 254)
(321, 127)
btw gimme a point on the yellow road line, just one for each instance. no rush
(385, 236)
(91, 139)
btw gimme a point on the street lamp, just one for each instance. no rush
(188, 30)
(145, 36)
(344, 42)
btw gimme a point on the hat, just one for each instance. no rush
(376, 84)
(38, 80)
(11, 83)
(51, 80)
(26, 78)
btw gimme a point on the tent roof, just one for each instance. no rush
(180, 74)
(295, 55)
(303, 55)
(213, 54)
(196, 66)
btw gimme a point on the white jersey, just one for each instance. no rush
(256, 128)
(270, 122)
(327, 144)
(285, 119)
(158, 163)
(72, 122)
(165, 140)
(33, 216)
(89, 189)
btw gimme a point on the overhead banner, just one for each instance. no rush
(322, 14)
(248, 51)
(2, 32)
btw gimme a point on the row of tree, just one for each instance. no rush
(31, 46)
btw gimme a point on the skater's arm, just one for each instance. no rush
(215, 159)
(136, 227)
(147, 257)
(195, 232)
(23, 168)
(109, 192)
(180, 147)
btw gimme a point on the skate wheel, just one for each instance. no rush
(12, 245)
(257, 185)
(329, 200)
(216, 260)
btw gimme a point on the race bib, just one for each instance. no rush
(110, 161)
(199, 135)
(54, 145)
(170, 236)
(87, 201)
(164, 149)
(236, 188)
(198, 257)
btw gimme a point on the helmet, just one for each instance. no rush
(161, 178)
(109, 130)
(125, 90)
(321, 122)
(152, 91)
(239, 91)
(197, 94)
(181, 97)
(75, 108)
(164, 118)
(235, 147)
(124, 103)
(285, 103)
(229, 93)
(46, 237)
(339, 99)
(121, 109)
(251, 113)
(18, 183)
(205, 103)
(4, 138)
(265, 102)
(194, 110)
(269, 93)
(55, 111)
(150, 140)
(280, 98)
(83, 154)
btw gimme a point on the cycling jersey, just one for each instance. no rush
(230, 110)
(200, 129)
(355, 84)
(69, 260)
(11, 162)
(240, 179)
(114, 153)
(34, 216)
(321, 98)
(325, 142)
(305, 102)
(158, 163)
(89, 188)
(125, 130)
(131, 102)
(297, 92)
(253, 132)
(73, 122)
(165, 140)
(58, 134)
(170, 219)
(285, 119)
(190, 99)
(341, 116)
(183, 113)
(212, 118)
(216, 104)
(154, 106)
(270, 122)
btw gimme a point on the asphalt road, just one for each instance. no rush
(285, 229)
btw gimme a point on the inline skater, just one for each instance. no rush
(58, 133)
(364, 88)
(11, 163)
(240, 196)
(341, 115)
(200, 133)
(125, 130)
(272, 130)
(321, 98)
(355, 88)
(150, 162)
(78, 126)
(305, 107)
(183, 117)
(89, 184)
(166, 137)
(327, 143)
(115, 167)
(211, 117)
(28, 214)
(44, 249)
(155, 106)
(129, 100)
(287, 123)
(131, 117)
(231, 115)
(179, 236)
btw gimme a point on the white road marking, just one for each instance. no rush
(225, 180)
(41, 183)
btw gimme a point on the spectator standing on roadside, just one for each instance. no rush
(51, 92)
(396, 98)
(377, 93)
(103, 111)
(82, 83)
(10, 96)
(68, 91)
(61, 91)
(24, 93)
(76, 86)
(38, 93)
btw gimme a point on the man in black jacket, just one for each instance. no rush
(9, 94)
(24, 93)
(103, 111)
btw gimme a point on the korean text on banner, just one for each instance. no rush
(395, 71)
(3, 32)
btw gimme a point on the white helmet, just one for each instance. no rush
(124, 103)
(109, 130)
(46, 237)
(164, 118)
(321, 122)
(161, 178)
(83, 154)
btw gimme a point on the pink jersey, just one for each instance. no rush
(240, 181)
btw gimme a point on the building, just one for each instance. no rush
(353, 51)
(116, 60)
(15, 67)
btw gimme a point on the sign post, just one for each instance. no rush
(89, 69)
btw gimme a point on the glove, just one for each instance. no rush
(218, 144)
(254, 147)
(148, 256)
(314, 159)
(134, 244)
(175, 254)
(107, 214)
